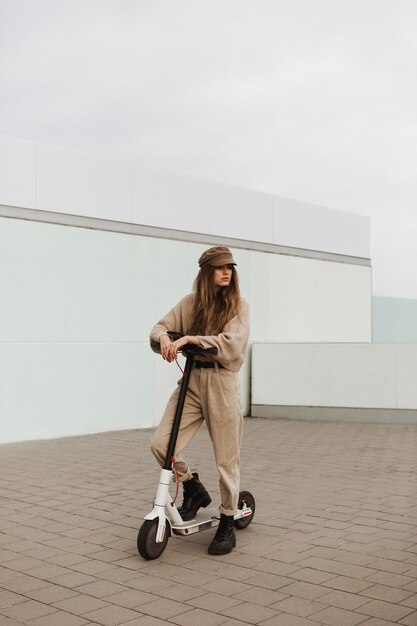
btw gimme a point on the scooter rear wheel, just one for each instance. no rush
(147, 546)
(245, 498)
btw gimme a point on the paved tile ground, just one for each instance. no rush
(333, 541)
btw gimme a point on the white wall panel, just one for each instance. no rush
(83, 184)
(303, 225)
(174, 268)
(17, 172)
(324, 375)
(58, 389)
(70, 284)
(297, 300)
(182, 203)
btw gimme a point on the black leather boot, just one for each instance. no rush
(195, 497)
(224, 540)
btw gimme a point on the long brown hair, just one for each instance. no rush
(213, 306)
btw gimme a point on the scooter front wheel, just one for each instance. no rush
(246, 500)
(147, 545)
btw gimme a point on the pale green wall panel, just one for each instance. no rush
(394, 320)
(73, 284)
(55, 389)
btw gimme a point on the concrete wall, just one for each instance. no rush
(48, 178)
(88, 263)
(335, 381)
(79, 304)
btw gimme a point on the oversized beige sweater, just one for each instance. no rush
(232, 343)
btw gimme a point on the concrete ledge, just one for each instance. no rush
(131, 228)
(335, 414)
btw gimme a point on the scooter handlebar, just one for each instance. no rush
(191, 348)
(188, 349)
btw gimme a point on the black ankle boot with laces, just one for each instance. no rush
(225, 539)
(195, 497)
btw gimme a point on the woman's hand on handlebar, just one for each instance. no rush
(170, 349)
(165, 343)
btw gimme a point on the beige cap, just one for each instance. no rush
(217, 256)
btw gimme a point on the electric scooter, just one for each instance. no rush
(165, 519)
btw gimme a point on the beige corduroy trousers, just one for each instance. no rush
(213, 396)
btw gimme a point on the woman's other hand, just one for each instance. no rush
(165, 343)
(171, 348)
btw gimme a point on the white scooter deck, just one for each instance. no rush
(205, 518)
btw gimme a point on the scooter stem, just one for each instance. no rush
(178, 412)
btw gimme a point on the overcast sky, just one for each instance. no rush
(311, 99)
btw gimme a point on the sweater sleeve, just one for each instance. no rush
(232, 342)
(172, 321)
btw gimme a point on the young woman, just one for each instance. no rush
(213, 316)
